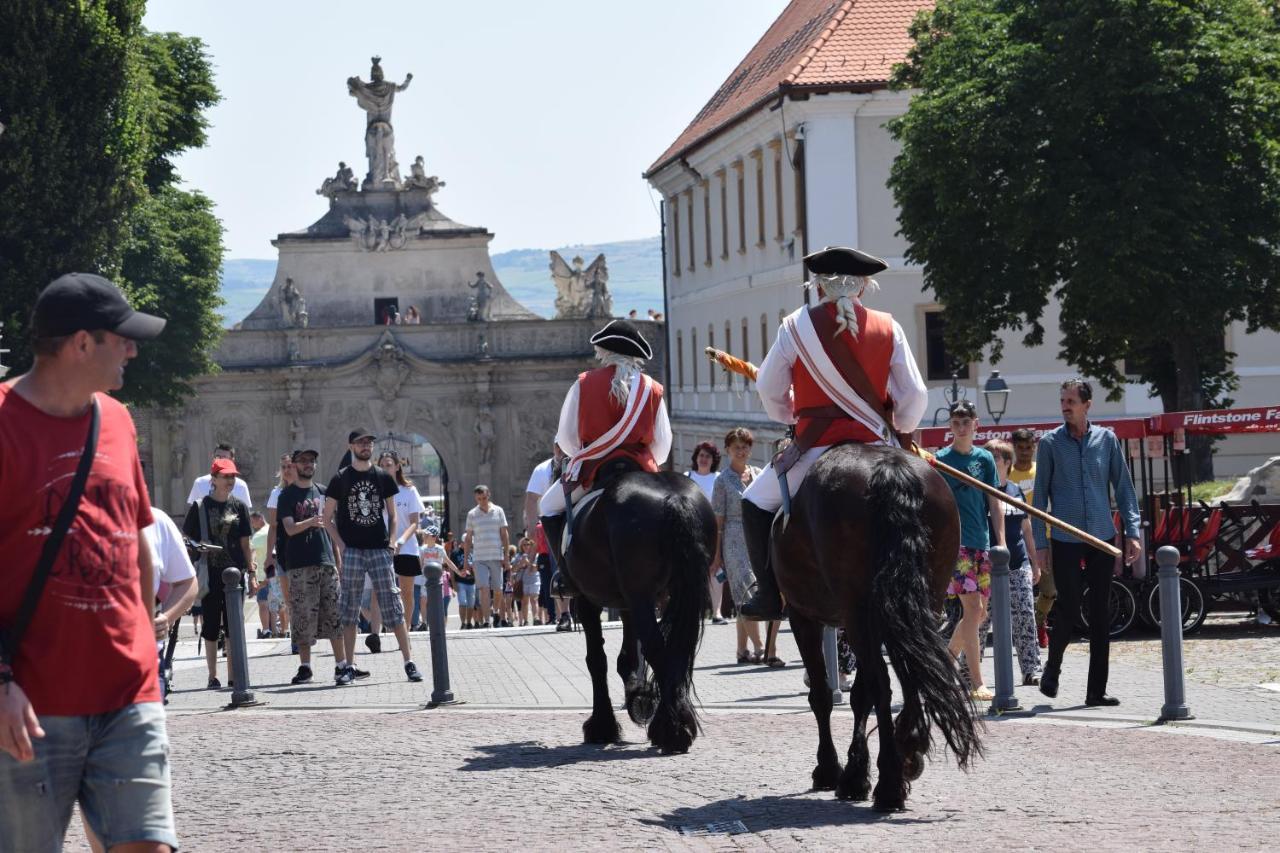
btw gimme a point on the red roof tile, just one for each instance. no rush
(822, 44)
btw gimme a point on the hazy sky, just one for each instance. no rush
(539, 116)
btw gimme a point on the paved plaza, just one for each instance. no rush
(364, 767)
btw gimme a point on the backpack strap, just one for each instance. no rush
(12, 637)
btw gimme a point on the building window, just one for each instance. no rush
(759, 158)
(777, 187)
(688, 197)
(746, 346)
(797, 187)
(742, 207)
(706, 219)
(939, 363)
(674, 204)
(724, 215)
(679, 359)
(764, 336)
(711, 342)
(693, 348)
(384, 308)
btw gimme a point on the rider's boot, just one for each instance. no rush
(765, 603)
(553, 529)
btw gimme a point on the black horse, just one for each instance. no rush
(870, 546)
(646, 543)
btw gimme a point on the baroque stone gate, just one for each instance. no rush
(481, 377)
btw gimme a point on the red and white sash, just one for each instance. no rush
(616, 436)
(815, 359)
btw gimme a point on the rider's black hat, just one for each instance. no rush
(838, 260)
(622, 337)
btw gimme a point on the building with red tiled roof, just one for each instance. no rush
(790, 154)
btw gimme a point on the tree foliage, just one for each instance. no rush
(96, 108)
(1119, 156)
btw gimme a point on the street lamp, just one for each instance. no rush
(996, 395)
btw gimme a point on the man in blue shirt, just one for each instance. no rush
(979, 515)
(1076, 465)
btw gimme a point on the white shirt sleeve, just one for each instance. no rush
(906, 386)
(567, 433)
(241, 490)
(773, 382)
(540, 479)
(199, 489)
(273, 500)
(169, 554)
(418, 506)
(661, 447)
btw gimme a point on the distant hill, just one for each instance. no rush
(635, 277)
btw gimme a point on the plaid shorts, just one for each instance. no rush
(377, 564)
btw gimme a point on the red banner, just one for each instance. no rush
(941, 436)
(1260, 419)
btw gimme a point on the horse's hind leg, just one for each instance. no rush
(602, 725)
(808, 637)
(855, 781)
(674, 724)
(891, 790)
(912, 732)
(641, 691)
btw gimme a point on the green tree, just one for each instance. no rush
(73, 155)
(96, 107)
(1119, 156)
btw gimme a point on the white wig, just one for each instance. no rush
(627, 367)
(844, 290)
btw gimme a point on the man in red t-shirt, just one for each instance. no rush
(80, 711)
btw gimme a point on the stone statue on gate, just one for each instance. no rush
(419, 179)
(482, 303)
(581, 292)
(376, 98)
(343, 181)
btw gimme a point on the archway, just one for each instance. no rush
(426, 470)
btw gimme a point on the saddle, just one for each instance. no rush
(576, 503)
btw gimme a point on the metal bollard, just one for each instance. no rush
(440, 692)
(237, 651)
(1175, 697)
(831, 653)
(1002, 626)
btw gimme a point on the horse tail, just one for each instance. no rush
(688, 595)
(902, 613)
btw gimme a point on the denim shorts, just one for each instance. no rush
(115, 764)
(466, 595)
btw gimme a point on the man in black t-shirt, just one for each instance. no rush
(313, 571)
(360, 512)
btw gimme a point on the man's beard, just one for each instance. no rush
(362, 455)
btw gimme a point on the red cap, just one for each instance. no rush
(224, 466)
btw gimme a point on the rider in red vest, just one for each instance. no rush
(800, 383)
(612, 412)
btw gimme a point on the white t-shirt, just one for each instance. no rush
(706, 482)
(407, 501)
(486, 533)
(540, 479)
(204, 485)
(273, 499)
(168, 555)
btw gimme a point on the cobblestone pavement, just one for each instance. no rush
(481, 780)
(1229, 650)
(539, 668)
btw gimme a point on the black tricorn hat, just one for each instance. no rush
(622, 337)
(838, 260)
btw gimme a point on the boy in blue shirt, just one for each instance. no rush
(979, 514)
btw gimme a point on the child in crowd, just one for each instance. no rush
(431, 551)
(524, 569)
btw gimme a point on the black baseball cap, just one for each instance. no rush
(298, 453)
(80, 301)
(359, 433)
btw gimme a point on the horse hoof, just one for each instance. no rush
(601, 730)
(887, 799)
(853, 788)
(826, 777)
(913, 766)
(889, 807)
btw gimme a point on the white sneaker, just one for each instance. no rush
(1264, 618)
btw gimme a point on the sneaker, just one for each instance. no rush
(411, 670)
(373, 643)
(303, 676)
(341, 675)
(718, 620)
(1042, 636)
(356, 673)
(1263, 617)
(497, 622)
(260, 633)
(214, 683)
